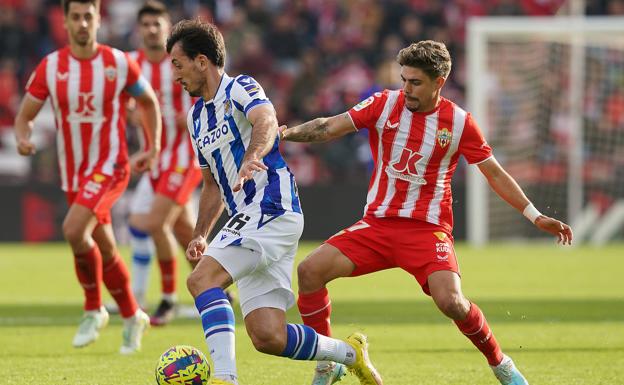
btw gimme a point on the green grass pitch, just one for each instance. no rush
(559, 312)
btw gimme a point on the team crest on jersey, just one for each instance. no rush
(364, 103)
(110, 72)
(444, 137)
(227, 108)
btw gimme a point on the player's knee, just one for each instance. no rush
(453, 305)
(193, 283)
(267, 341)
(72, 233)
(154, 226)
(309, 276)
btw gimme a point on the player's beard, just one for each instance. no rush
(415, 105)
(82, 39)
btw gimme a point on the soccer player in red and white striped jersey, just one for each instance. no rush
(88, 85)
(159, 208)
(416, 137)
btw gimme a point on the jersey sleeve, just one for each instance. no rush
(473, 145)
(366, 113)
(136, 84)
(247, 94)
(37, 85)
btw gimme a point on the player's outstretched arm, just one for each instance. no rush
(319, 129)
(507, 188)
(210, 208)
(28, 110)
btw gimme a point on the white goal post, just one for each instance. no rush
(542, 89)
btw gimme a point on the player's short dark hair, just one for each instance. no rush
(65, 4)
(197, 37)
(153, 7)
(430, 56)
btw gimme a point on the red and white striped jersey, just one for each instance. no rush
(415, 156)
(177, 151)
(89, 105)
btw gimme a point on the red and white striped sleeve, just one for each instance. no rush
(366, 113)
(37, 85)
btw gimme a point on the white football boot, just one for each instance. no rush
(507, 373)
(134, 328)
(329, 374)
(89, 329)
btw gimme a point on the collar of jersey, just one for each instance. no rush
(221, 83)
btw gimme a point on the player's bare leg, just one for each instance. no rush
(77, 228)
(117, 280)
(158, 223)
(323, 265)
(445, 288)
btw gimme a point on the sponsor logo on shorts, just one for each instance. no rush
(174, 181)
(442, 247)
(442, 250)
(91, 188)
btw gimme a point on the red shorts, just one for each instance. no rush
(99, 192)
(418, 247)
(178, 184)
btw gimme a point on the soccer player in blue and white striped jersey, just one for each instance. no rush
(234, 131)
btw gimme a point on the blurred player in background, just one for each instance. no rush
(88, 84)
(234, 130)
(160, 209)
(416, 137)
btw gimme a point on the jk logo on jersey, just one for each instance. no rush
(405, 168)
(85, 111)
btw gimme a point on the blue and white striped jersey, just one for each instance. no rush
(221, 134)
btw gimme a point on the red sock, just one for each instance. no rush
(476, 328)
(117, 282)
(315, 310)
(89, 271)
(168, 271)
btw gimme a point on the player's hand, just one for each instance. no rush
(142, 161)
(282, 132)
(555, 227)
(195, 249)
(25, 147)
(247, 170)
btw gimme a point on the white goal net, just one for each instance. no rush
(549, 95)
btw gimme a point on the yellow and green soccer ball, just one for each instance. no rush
(182, 365)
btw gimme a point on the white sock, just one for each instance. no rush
(331, 349)
(170, 297)
(142, 250)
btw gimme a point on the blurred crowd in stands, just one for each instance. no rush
(313, 57)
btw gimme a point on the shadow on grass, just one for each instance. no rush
(373, 312)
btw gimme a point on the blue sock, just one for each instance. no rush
(303, 343)
(218, 323)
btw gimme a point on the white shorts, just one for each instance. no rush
(143, 196)
(258, 251)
